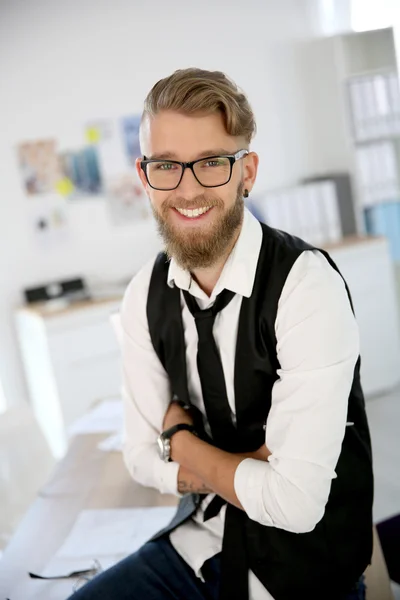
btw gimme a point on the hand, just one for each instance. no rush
(176, 414)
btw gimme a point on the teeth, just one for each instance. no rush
(192, 213)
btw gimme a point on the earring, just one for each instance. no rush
(246, 194)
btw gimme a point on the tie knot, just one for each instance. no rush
(221, 301)
(201, 315)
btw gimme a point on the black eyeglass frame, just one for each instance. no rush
(189, 165)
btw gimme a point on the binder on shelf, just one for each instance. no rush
(344, 198)
(331, 211)
(357, 106)
(382, 104)
(373, 122)
(299, 211)
(378, 172)
(384, 219)
(318, 229)
(394, 100)
(309, 211)
(374, 104)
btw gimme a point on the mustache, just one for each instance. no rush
(197, 202)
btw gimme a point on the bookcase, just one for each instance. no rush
(349, 201)
(353, 96)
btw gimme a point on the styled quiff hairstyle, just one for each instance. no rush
(192, 91)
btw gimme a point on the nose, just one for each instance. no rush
(189, 187)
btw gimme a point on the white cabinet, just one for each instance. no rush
(71, 359)
(366, 265)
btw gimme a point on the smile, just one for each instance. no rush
(193, 213)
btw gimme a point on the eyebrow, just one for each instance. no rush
(205, 154)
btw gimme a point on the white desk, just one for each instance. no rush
(85, 478)
(90, 478)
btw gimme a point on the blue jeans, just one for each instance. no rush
(157, 572)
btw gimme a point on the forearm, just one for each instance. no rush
(189, 483)
(205, 466)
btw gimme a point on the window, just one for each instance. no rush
(373, 14)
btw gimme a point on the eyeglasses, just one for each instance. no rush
(96, 569)
(213, 171)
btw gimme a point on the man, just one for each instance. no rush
(241, 378)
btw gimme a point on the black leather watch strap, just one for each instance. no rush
(168, 433)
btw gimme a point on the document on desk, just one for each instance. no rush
(105, 536)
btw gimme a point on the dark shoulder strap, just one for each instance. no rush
(164, 317)
(156, 302)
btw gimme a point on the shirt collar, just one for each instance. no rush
(239, 270)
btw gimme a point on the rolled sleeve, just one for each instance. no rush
(317, 348)
(146, 392)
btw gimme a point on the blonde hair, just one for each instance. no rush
(195, 90)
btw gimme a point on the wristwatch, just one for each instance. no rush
(164, 440)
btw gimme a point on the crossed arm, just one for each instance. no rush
(202, 467)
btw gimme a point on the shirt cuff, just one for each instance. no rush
(248, 484)
(166, 474)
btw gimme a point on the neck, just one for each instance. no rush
(207, 278)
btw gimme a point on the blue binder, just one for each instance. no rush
(384, 219)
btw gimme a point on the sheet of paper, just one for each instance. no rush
(102, 537)
(113, 531)
(106, 417)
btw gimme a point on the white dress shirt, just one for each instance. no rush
(317, 349)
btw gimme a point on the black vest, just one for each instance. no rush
(328, 560)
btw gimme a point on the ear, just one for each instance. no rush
(142, 175)
(250, 168)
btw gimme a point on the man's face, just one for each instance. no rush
(196, 239)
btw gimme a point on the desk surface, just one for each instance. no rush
(85, 478)
(90, 478)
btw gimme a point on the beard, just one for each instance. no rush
(199, 248)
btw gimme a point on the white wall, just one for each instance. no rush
(62, 63)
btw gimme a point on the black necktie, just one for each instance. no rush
(210, 370)
(224, 435)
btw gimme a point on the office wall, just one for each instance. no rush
(62, 63)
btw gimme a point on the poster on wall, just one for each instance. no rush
(130, 134)
(39, 166)
(48, 222)
(81, 176)
(117, 144)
